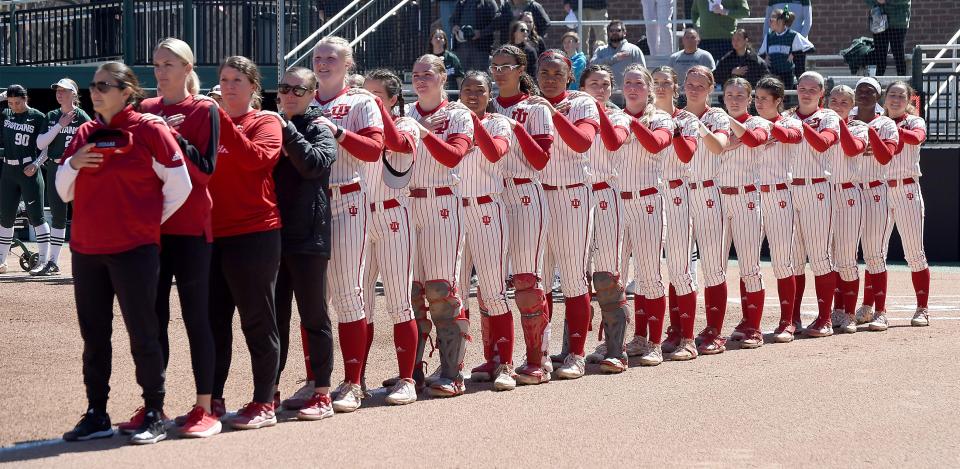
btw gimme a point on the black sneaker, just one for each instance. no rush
(48, 270)
(152, 430)
(92, 425)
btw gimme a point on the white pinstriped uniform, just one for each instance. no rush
(776, 205)
(643, 214)
(676, 211)
(527, 214)
(437, 219)
(390, 241)
(742, 211)
(847, 204)
(875, 205)
(812, 203)
(349, 221)
(706, 209)
(906, 200)
(571, 209)
(608, 223)
(485, 225)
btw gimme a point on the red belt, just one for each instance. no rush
(643, 193)
(873, 184)
(847, 185)
(600, 186)
(728, 190)
(437, 191)
(803, 182)
(702, 185)
(675, 183)
(521, 181)
(344, 190)
(548, 187)
(771, 188)
(897, 182)
(387, 205)
(483, 199)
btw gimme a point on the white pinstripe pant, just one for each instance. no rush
(487, 234)
(876, 219)
(439, 238)
(777, 222)
(908, 214)
(391, 247)
(743, 229)
(528, 219)
(643, 220)
(569, 238)
(679, 238)
(847, 229)
(607, 231)
(347, 256)
(812, 220)
(706, 211)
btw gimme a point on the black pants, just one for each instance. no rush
(243, 275)
(188, 259)
(131, 276)
(893, 39)
(58, 208)
(304, 275)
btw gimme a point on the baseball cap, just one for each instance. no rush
(393, 178)
(215, 90)
(65, 84)
(16, 91)
(870, 81)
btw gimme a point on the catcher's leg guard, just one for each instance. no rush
(613, 308)
(424, 327)
(532, 304)
(452, 327)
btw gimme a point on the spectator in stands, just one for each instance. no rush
(535, 37)
(785, 49)
(593, 10)
(474, 22)
(570, 15)
(619, 53)
(716, 20)
(690, 55)
(898, 20)
(742, 61)
(571, 48)
(802, 8)
(513, 10)
(520, 37)
(438, 47)
(447, 7)
(660, 33)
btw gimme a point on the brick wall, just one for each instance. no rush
(835, 22)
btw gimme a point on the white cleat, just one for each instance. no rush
(687, 350)
(879, 323)
(572, 368)
(848, 324)
(403, 392)
(429, 380)
(653, 357)
(921, 318)
(506, 379)
(347, 397)
(864, 314)
(639, 346)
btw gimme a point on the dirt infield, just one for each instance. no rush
(868, 399)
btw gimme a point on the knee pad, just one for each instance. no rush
(443, 300)
(610, 293)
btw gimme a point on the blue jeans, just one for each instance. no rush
(446, 11)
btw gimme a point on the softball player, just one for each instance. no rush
(812, 200)
(906, 203)
(436, 209)
(62, 125)
(741, 203)
(21, 179)
(525, 203)
(356, 123)
(706, 210)
(569, 199)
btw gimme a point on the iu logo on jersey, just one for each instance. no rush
(486, 220)
(783, 204)
(394, 226)
(603, 205)
(575, 203)
(751, 206)
(650, 209)
(444, 213)
(710, 203)
(677, 201)
(876, 198)
(353, 211)
(442, 127)
(909, 195)
(520, 115)
(339, 111)
(525, 200)
(814, 122)
(820, 196)
(850, 202)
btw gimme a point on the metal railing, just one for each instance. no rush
(937, 81)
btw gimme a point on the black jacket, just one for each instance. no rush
(756, 67)
(485, 24)
(302, 176)
(509, 13)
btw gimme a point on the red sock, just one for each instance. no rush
(753, 307)
(824, 285)
(743, 299)
(366, 351)
(640, 315)
(405, 343)
(851, 289)
(656, 309)
(715, 302)
(921, 285)
(688, 313)
(501, 336)
(673, 308)
(487, 338)
(549, 305)
(306, 353)
(880, 291)
(868, 288)
(800, 282)
(839, 291)
(578, 320)
(353, 342)
(785, 288)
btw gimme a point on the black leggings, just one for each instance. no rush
(243, 275)
(893, 39)
(305, 276)
(131, 276)
(188, 259)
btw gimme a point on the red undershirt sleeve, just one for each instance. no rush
(493, 148)
(578, 137)
(787, 134)
(653, 141)
(820, 141)
(613, 137)
(755, 137)
(536, 149)
(883, 150)
(913, 137)
(852, 146)
(685, 147)
(393, 139)
(365, 145)
(450, 152)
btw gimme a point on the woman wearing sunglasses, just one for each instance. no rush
(126, 176)
(520, 38)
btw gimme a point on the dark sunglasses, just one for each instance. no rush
(104, 87)
(298, 90)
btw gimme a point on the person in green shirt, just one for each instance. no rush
(716, 20)
(898, 21)
(62, 125)
(439, 47)
(21, 176)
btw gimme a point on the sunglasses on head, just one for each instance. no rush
(298, 90)
(104, 87)
(503, 68)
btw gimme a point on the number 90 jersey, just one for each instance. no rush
(20, 132)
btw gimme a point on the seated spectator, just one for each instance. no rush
(520, 37)
(535, 37)
(513, 10)
(716, 20)
(619, 53)
(571, 48)
(785, 49)
(741, 62)
(690, 55)
(474, 22)
(438, 47)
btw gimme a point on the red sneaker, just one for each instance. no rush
(200, 424)
(253, 416)
(318, 407)
(711, 343)
(484, 372)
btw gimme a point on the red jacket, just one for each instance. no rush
(244, 197)
(121, 205)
